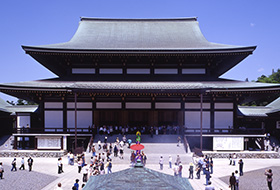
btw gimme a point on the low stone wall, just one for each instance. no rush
(54, 154)
(243, 154)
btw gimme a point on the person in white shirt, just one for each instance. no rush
(170, 162)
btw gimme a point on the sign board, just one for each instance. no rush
(228, 143)
(49, 142)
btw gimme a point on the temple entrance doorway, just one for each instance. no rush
(140, 118)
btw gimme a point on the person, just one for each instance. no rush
(109, 167)
(230, 159)
(129, 141)
(68, 157)
(207, 176)
(99, 145)
(59, 186)
(77, 184)
(121, 152)
(198, 170)
(85, 173)
(267, 144)
(269, 175)
(14, 165)
(132, 158)
(152, 132)
(180, 170)
(59, 165)
(234, 159)
(116, 150)
(232, 181)
(30, 163)
(161, 163)
(211, 165)
(71, 159)
(237, 180)
(170, 162)
(178, 160)
(1, 170)
(209, 186)
(93, 150)
(191, 171)
(241, 163)
(175, 169)
(144, 158)
(22, 164)
(179, 140)
(80, 163)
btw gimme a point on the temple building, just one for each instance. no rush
(156, 73)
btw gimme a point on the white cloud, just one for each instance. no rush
(252, 24)
(260, 70)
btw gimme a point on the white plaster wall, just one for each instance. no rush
(83, 71)
(166, 71)
(223, 105)
(194, 71)
(138, 105)
(138, 71)
(108, 105)
(168, 105)
(84, 105)
(110, 71)
(53, 105)
(196, 105)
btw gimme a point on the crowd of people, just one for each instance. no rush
(112, 130)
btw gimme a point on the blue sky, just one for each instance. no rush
(238, 22)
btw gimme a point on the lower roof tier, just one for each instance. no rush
(208, 86)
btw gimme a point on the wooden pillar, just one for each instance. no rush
(201, 119)
(75, 120)
(15, 142)
(212, 115)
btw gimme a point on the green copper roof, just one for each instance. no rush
(137, 179)
(139, 34)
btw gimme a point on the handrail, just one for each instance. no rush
(50, 130)
(224, 130)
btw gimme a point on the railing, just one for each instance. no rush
(51, 130)
(224, 131)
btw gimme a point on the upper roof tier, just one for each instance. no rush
(97, 34)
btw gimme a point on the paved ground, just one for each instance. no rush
(45, 175)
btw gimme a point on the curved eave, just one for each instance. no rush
(33, 49)
(208, 87)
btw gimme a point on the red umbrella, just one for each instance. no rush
(137, 147)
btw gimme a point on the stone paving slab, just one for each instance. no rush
(24, 180)
(257, 180)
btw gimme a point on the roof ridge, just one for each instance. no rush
(138, 19)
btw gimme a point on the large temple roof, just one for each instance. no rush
(117, 85)
(138, 34)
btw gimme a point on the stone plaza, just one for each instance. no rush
(44, 175)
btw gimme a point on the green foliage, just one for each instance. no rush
(21, 102)
(273, 78)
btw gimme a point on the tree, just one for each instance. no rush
(273, 78)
